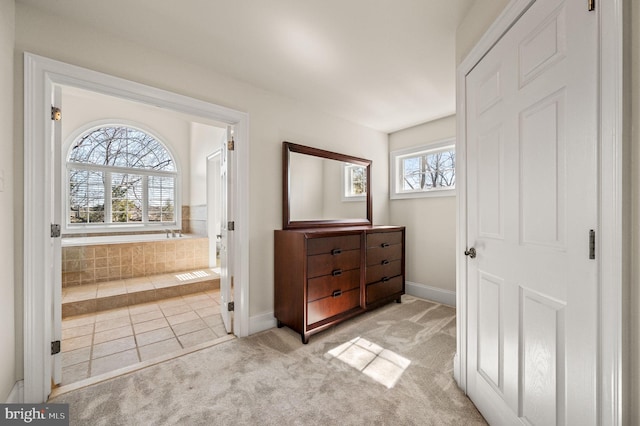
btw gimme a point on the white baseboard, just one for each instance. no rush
(446, 297)
(262, 322)
(16, 396)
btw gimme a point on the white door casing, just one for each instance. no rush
(41, 75)
(532, 201)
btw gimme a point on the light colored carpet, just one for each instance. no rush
(271, 378)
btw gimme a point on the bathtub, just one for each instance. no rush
(89, 260)
(122, 239)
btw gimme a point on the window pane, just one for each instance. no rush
(428, 170)
(126, 198)
(86, 196)
(358, 181)
(355, 180)
(121, 147)
(161, 199)
(411, 175)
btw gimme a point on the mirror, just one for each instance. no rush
(324, 188)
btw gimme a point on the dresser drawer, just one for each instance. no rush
(327, 245)
(327, 307)
(388, 270)
(377, 255)
(326, 264)
(382, 289)
(383, 239)
(326, 285)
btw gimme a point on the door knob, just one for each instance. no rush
(471, 253)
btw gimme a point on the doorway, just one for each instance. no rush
(144, 289)
(42, 76)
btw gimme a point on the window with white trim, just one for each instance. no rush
(118, 176)
(428, 170)
(354, 178)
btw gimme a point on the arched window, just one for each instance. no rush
(119, 175)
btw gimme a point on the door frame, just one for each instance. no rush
(613, 215)
(40, 76)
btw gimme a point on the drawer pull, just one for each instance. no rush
(384, 245)
(336, 272)
(385, 279)
(385, 262)
(336, 251)
(336, 293)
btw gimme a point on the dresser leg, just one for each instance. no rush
(305, 339)
(399, 300)
(280, 324)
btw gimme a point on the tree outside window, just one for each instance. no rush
(429, 170)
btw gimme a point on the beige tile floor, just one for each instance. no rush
(93, 344)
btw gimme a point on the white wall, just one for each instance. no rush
(205, 140)
(430, 221)
(273, 119)
(8, 329)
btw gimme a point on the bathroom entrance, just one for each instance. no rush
(128, 304)
(139, 277)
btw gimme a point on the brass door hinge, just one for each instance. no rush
(56, 113)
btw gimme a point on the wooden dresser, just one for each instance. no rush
(326, 275)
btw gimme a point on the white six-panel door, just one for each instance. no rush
(226, 240)
(531, 122)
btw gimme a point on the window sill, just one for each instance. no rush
(118, 228)
(423, 194)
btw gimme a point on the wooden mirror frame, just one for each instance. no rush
(287, 223)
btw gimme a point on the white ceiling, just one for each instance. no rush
(385, 64)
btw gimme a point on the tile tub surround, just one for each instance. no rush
(186, 215)
(83, 265)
